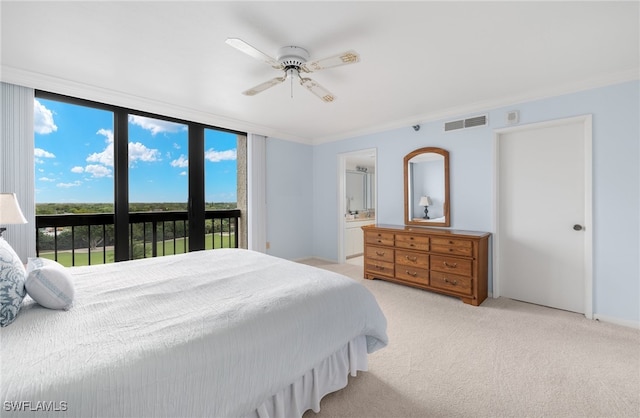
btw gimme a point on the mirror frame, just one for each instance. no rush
(407, 192)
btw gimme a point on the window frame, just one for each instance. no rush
(196, 199)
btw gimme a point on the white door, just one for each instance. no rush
(542, 220)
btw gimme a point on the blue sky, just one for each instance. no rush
(74, 158)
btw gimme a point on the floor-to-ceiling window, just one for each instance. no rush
(158, 152)
(73, 175)
(155, 175)
(220, 184)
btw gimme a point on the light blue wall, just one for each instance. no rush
(616, 183)
(289, 191)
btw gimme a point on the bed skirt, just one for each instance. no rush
(328, 376)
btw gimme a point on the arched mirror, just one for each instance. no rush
(426, 187)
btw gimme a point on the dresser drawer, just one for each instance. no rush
(412, 274)
(451, 282)
(379, 254)
(382, 238)
(452, 246)
(379, 268)
(412, 242)
(459, 266)
(408, 258)
(450, 262)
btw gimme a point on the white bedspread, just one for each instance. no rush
(209, 333)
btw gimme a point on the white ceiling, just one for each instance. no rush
(419, 60)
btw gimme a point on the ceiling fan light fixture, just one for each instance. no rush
(292, 72)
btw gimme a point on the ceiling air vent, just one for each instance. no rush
(456, 124)
(465, 123)
(475, 121)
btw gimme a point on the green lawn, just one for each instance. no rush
(81, 258)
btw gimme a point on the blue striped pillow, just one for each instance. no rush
(49, 283)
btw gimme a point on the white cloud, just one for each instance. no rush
(43, 119)
(217, 156)
(105, 157)
(98, 170)
(46, 179)
(156, 125)
(67, 185)
(107, 133)
(40, 153)
(77, 170)
(180, 162)
(184, 173)
(139, 152)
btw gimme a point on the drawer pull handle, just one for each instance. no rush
(379, 267)
(451, 266)
(414, 259)
(379, 240)
(411, 245)
(451, 282)
(380, 253)
(414, 274)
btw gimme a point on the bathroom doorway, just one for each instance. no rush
(357, 191)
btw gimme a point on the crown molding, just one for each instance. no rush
(66, 87)
(624, 76)
(117, 98)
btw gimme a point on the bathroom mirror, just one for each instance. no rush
(426, 187)
(360, 191)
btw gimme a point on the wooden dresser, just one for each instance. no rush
(441, 260)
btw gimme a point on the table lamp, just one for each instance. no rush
(10, 212)
(426, 202)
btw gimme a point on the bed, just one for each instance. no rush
(217, 333)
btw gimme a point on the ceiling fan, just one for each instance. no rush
(293, 61)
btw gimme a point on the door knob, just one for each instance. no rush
(577, 227)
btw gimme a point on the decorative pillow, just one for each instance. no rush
(12, 277)
(37, 262)
(49, 283)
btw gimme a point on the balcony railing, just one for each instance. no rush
(85, 239)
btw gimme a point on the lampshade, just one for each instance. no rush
(10, 212)
(425, 201)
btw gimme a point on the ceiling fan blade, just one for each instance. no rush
(263, 86)
(315, 88)
(348, 57)
(241, 45)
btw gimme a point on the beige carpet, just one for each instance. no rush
(502, 359)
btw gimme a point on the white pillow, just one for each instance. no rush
(36, 262)
(49, 283)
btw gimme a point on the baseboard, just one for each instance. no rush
(325, 260)
(617, 321)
